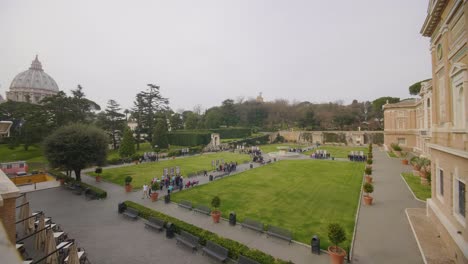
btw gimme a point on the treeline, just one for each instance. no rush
(155, 121)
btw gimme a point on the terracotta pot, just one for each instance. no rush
(154, 196)
(128, 188)
(368, 179)
(337, 254)
(216, 215)
(98, 178)
(62, 181)
(404, 162)
(368, 200)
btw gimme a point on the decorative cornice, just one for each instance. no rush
(433, 17)
(456, 152)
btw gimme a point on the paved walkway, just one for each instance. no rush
(383, 233)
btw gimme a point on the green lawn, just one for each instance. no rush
(274, 147)
(303, 196)
(423, 192)
(143, 173)
(339, 151)
(18, 153)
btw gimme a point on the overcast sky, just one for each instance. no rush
(202, 52)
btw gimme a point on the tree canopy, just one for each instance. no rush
(75, 147)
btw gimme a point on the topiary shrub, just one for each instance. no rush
(368, 170)
(368, 188)
(216, 202)
(128, 180)
(369, 161)
(336, 234)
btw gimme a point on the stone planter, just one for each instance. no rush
(216, 215)
(369, 179)
(128, 188)
(368, 200)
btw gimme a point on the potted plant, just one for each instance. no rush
(154, 191)
(424, 165)
(98, 171)
(368, 188)
(369, 163)
(415, 162)
(128, 186)
(404, 161)
(368, 172)
(60, 177)
(336, 235)
(216, 214)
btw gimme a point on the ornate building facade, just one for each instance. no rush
(32, 85)
(446, 26)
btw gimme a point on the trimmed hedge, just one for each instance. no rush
(235, 132)
(329, 137)
(235, 248)
(100, 193)
(252, 141)
(189, 138)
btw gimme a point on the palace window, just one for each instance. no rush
(401, 141)
(458, 106)
(459, 200)
(440, 183)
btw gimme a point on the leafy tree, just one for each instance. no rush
(191, 120)
(308, 120)
(114, 120)
(75, 147)
(152, 103)
(415, 88)
(160, 135)
(127, 145)
(213, 118)
(229, 113)
(176, 122)
(379, 102)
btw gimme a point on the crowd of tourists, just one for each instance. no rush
(320, 154)
(357, 156)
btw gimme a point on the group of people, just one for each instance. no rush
(320, 154)
(357, 156)
(227, 167)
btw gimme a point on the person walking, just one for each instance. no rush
(145, 191)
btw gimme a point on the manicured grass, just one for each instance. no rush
(303, 196)
(277, 147)
(145, 172)
(423, 192)
(339, 151)
(34, 153)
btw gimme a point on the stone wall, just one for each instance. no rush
(323, 137)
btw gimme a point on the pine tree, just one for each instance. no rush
(127, 146)
(160, 135)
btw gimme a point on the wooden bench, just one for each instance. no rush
(155, 223)
(202, 209)
(280, 233)
(188, 240)
(130, 212)
(185, 204)
(216, 251)
(78, 190)
(246, 260)
(252, 224)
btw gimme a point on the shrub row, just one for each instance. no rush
(395, 147)
(100, 193)
(235, 132)
(189, 138)
(334, 137)
(235, 248)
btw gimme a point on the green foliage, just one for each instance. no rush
(395, 147)
(75, 147)
(216, 202)
(127, 146)
(422, 192)
(235, 248)
(233, 132)
(128, 180)
(368, 188)
(278, 139)
(336, 233)
(155, 186)
(378, 138)
(379, 102)
(189, 138)
(368, 170)
(369, 161)
(252, 141)
(415, 88)
(160, 135)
